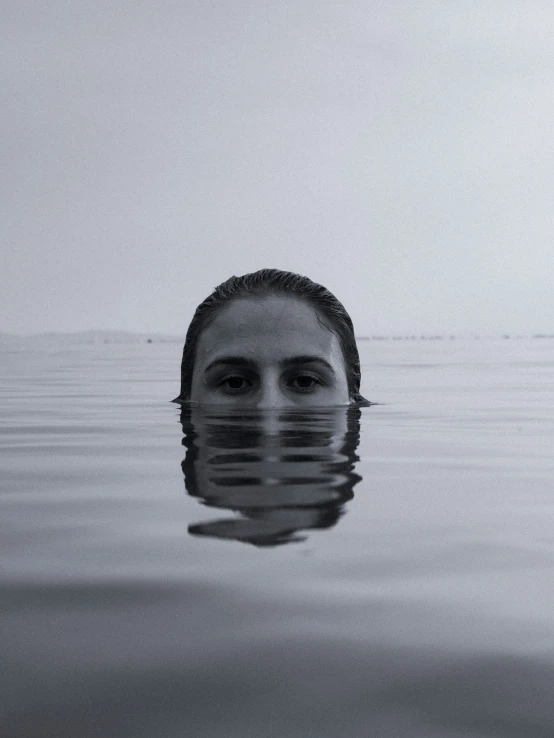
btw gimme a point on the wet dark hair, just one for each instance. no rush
(330, 312)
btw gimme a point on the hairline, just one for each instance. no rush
(211, 318)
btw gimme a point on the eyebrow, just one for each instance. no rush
(284, 363)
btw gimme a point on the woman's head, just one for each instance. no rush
(270, 339)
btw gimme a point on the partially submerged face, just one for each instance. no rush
(269, 352)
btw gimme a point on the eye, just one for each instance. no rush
(304, 383)
(234, 384)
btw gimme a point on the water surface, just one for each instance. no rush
(382, 572)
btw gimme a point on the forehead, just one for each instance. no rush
(267, 329)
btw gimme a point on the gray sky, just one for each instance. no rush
(400, 153)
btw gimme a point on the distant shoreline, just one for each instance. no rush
(90, 337)
(128, 337)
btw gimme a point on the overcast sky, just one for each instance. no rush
(400, 153)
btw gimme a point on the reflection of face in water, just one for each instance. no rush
(278, 471)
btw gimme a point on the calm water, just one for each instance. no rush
(382, 573)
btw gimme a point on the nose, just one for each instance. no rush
(270, 399)
(271, 396)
